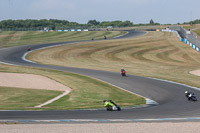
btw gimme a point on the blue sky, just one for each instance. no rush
(137, 11)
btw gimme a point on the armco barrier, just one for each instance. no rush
(188, 37)
(67, 30)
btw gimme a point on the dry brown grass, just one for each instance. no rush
(17, 38)
(156, 54)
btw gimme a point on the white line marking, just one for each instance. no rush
(24, 56)
(52, 100)
(148, 101)
(195, 88)
(101, 120)
(8, 64)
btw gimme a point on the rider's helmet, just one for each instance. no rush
(186, 92)
(104, 100)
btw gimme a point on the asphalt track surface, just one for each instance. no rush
(170, 96)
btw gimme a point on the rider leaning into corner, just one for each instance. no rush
(108, 103)
(187, 93)
(190, 95)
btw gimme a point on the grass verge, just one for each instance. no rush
(19, 99)
(194, 26)
(197, 31)
(86, 92)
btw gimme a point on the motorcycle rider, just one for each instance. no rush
(187, 93)
(190, 96)
(109, 104)
(29, 49)
(123, 70)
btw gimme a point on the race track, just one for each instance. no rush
(170, 96)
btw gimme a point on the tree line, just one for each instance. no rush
(197, 21)
(30, 23)
(55, 24)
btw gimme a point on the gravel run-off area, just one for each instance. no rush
(167, 127)
(195, 72)
(30, 81)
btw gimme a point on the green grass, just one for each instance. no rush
(17, 38)
(86, 92)
(92, 93)
(19, 99)
(191, 26)
(197, 31)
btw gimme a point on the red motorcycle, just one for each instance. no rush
(123, 73)
(29, 49)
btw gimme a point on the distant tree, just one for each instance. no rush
(93, 22)
(197, 21)
(151, 22)
(127, 23)
(117, 23)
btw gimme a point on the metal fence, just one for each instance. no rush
(187, 34)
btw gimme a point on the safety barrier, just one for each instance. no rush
(189, 43)
(66, 30)
(186, 36)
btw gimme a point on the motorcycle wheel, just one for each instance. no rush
(109, 108)
(118, 108)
